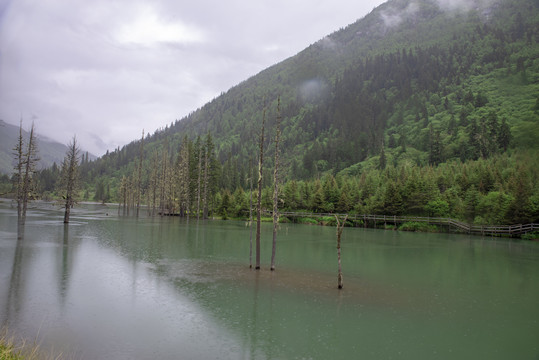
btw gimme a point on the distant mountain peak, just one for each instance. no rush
(49, 150)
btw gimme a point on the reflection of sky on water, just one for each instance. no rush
(114, 287)
(69, 289)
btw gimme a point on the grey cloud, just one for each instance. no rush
(393, 17)
(462, 5)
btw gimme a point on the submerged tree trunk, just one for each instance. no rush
(123, 194)
(205, 191)
(340, 228)
(184, 193)
(25, 161)
(139, 174)
(18, 174)
(250, 213)
(276, 185)
(70, 177)
(28, 170)
(208, 151)
(199, 169)
(163, 193)
(154, 181)
(259, 200)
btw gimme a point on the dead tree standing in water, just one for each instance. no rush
(139, 173)
(208, 154)
(199, 146)
(340, 228)
(259, 200)
(70, 177)
(26, 163)
(276, 185)
(250, 213)
(183, 179)
(17, 176)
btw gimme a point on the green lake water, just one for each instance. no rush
(113, 287)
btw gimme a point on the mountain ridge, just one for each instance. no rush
(49, 151)
(314, 65)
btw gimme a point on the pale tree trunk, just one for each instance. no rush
(163, 189)
(123, 194)
(139, 175)
(250, 213)
(70, 177)
(154, 181)
(30, 160)
(340, 228)
(185, 198)
(129, 190)
(276, 186)
(259, 200)
(205, 193)
(18, 174)
(199, 178)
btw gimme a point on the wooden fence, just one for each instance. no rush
(452, 224)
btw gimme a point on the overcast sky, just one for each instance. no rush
(103, 70)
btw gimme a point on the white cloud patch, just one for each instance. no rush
(394, 17)
(391, 20)
(452, 5)
(328, 43)
(313, 90)
(147, 27)
(463, 5)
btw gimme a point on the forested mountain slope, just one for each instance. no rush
(416, 83)
(409, 74)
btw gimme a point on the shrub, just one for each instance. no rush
(307, 221)
(531, 236)
(418, 226)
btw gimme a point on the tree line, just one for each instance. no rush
(498, 190)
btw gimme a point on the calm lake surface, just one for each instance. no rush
(113, 287)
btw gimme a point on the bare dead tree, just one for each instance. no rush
(276, 185)
(153, 185)
(340, 228)
(208, 150)
(25, 168)
(123, 194)
(250, 213)
(139, 172)
(18, 175)
(199, 169)
(70, 177)
(163, 178)
(259, 200)
(183, 179)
